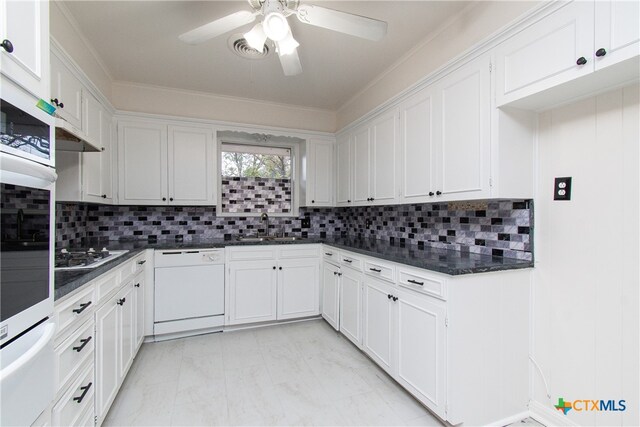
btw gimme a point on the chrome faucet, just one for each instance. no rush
(265, 218)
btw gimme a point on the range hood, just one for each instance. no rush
(70, 138)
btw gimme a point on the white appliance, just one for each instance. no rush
(26, 289)
(188, 291)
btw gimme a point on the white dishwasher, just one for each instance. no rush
(188, 291)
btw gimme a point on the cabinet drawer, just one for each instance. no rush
(72, 312)
(419, 280)
(106, 284)
(351, 261)
(73, 404)
(73, 353)
(299, 251)
(251, 253)
(380, 269)
(139, 263)
(330, 254)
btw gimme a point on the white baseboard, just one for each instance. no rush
(548, 415)
(511, 419)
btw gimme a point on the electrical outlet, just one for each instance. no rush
(306, 222)
(562, 188)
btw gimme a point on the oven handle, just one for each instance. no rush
(46, 337)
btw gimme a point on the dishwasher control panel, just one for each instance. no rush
(187, 257)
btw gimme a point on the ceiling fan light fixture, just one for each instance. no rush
(275, 26)
(287, 45)
(256, 37)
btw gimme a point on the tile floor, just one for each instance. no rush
(294, 374)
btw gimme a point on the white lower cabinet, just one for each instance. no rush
(421, 348)
(252, 291)
(331, 294)
(138, 295)
(126, 325)
(107, 349)
(71, 408)
(351, 283)
(267, 283)
(379, 323)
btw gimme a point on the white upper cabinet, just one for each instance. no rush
(160, 164)
(24, 34)
(559, 58)
(66, 92)
(362, 165)
(416, 148)
(319, 173)
(463, 132)
(384, 132)
(617, 35)
(192, 164)
(142, 163)
(97, 175)
(343, 170)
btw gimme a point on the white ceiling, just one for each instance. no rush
(138, 42)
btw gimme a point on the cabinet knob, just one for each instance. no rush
(274, 267)
(279, 268)
(104, 196)
(601, 52)
(581, 61)
(102, 148)
(171, 199)
(313, 201)
(348, 201)
(395, 298)
(431, 193)
(438, 193)
(54, 101)
(137, 285)
(389, 296)
(121, 301)
(61, 105)
(164, 199)
(7, 45)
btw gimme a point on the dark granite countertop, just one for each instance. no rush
(445, 261)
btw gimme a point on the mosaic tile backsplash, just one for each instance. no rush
(493, 227)
(248, 194)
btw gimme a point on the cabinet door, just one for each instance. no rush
(343, 170)
(544, 55)
(192, 166)
(126, 319)
(298, 288)
(331, 294)
(384, 141)
(362, 165)
(67, 89)
(25, 23)
(351, 305)
(142, 163)
(617, 31)
(421, 348)
(416, 146)
(139, 289)
(252, 291)
(107, 157)
(319, 173)
(378, 323)
(464, 150)
(93, 116)
(107, 354)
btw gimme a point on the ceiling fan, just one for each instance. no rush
(275, 27)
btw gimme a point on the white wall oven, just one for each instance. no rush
(26, 289)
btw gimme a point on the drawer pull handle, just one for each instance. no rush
(85, 390)
(84, 343)
(121, 301)
(142, 262)
(82, 308)
(415, 282)
(328, 254)
(348, 260)
(377, 270)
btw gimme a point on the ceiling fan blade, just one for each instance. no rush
(355, 25)
(291, 63)
(218, 27)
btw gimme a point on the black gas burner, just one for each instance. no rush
(84, 258)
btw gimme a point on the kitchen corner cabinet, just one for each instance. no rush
(160, 164)
(374, 161)
(565, 50)
(319, 173)
(344, 155)
(24, 25)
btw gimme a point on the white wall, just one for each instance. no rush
(467, 29)
(586, 278)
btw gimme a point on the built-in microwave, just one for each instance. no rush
(25, 130)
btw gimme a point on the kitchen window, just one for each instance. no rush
(256, 179)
